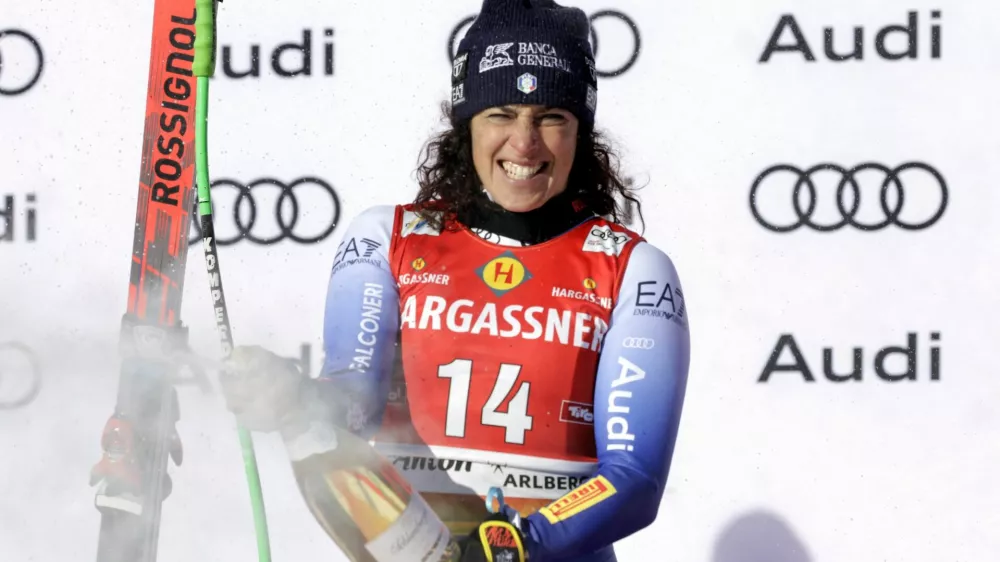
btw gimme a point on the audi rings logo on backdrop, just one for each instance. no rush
(268, 211)
(606, 67)
(638, 343)
(912, 196)
(20, 375)
(21, 61)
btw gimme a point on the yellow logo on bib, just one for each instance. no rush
(503, 273)
(578, 500)
(589, 284)
(418, 264)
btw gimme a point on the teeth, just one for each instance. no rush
(517, 172)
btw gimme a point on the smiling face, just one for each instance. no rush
(523, 153)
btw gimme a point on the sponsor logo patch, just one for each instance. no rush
(576, 412)
(416, 224)
(589, 494)
(604, 240)
(503, 273)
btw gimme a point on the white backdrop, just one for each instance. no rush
(783, 470)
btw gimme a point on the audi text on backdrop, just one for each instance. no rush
(10, 213)
(281, 219)
(21, 61)
(282, 57)
(903, 39)
(838, 373)
(603, 69)
(892, 194)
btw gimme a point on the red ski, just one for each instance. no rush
(139, 437)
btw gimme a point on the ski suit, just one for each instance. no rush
(555, 372)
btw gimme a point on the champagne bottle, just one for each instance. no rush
(361, 500)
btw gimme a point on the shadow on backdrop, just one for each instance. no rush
(759, 537)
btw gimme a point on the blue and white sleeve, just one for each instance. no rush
(361, 323)
(641, 381)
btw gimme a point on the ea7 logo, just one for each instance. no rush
(603, 239)
(351, 251)
(660, 301)
(576, 412)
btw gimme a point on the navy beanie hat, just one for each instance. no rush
(525, 52)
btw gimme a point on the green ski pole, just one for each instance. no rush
(204, 68)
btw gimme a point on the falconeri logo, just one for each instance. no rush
(503, 273)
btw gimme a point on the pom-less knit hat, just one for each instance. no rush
(525, 52)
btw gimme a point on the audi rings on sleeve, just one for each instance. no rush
(246, 222)
(804, 212)
(638, 343)
(457, 32)
(20, 376)
(14, 57)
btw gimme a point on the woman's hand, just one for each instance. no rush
(261, 388)
(497, 539)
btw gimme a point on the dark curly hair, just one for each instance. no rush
(449, 184)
